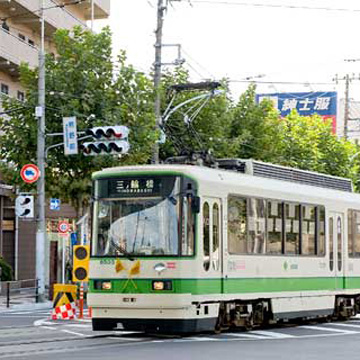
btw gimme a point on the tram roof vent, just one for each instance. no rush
(267, 170)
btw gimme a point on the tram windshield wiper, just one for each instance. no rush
(121, 250)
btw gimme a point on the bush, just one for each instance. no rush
(6, 273)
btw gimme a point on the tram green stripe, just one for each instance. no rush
(232, 286)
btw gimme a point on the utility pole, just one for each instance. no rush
(347, 106)
(157, 75)
(40, 113)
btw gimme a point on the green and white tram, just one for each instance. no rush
(184, 248)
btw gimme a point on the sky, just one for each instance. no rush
(238, 39)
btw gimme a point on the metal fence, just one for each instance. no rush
(18, 292)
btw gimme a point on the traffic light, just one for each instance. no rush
(24, 206)
(81, 257)
(109, 132)
(105, 148)
(111, 140)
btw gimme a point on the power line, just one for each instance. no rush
(281, 82)
(282, 6)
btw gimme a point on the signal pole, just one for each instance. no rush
(40, 113)
(347, 106)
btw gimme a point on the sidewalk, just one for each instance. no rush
(23, 304)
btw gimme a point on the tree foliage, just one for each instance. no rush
(81, 81)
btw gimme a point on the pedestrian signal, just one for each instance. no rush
(24, 206)
(81, 257)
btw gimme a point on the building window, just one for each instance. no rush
(20, 96)
(31, 42)
(4, 89)
(22, 37)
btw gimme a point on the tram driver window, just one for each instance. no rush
(292, 222)
(237, 225)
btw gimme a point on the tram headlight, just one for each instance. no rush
(159, 285)
(102, 285)
(106, 285)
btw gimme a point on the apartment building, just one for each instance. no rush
(19, 42)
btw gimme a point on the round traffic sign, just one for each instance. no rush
(63, 227)
(30, 173)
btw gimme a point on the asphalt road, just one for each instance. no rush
(32, 335)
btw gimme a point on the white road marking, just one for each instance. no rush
(48, 327)
(42, 322)
(200, 338)
(250, 336)
(272, 334)
(323, 328)
(347, 325)
(73, 333)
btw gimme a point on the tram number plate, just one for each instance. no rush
(107, 262)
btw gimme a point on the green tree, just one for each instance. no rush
(81, 81)
(308, 143)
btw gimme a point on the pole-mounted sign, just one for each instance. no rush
(63, 227)
(70, 136)
(30, 173)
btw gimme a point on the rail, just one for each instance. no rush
(15, 291)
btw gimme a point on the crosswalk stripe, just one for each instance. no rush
(323, 328)
(272, 334)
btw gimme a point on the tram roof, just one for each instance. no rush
(228, 177)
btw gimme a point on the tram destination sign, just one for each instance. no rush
(136, 187)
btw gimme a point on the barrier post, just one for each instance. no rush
(81, 301)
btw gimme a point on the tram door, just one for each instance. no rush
(212, 241)
(336, 248)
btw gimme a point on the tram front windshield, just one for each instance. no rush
(137, 217)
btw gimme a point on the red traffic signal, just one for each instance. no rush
(109, 132)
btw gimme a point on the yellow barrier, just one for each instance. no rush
(64, 294)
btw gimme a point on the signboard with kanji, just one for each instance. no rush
(305, 103)
(70, 136)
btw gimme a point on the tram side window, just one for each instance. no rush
(256, 226)
(188, 222)
(308, 230)
(237, 225)
(206, 235)
(216, 228)
(321, 230)
(292, 228)
(354, 233)
(274, 227)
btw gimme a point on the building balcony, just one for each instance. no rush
(13, 51)
(26, 12)
(101, 8)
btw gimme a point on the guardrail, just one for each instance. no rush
(13, 291)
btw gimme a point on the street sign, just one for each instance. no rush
(63, 227)
(55, 204)
(70, 136)
(30, 173)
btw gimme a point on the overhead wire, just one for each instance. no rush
(267, 5)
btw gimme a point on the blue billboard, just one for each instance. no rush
(305, 103)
